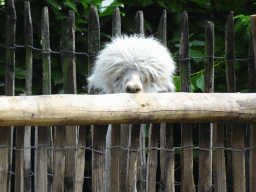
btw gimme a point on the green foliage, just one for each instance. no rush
(198, 13)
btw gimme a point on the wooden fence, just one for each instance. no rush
(56, 161)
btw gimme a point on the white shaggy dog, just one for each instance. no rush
(131, 64)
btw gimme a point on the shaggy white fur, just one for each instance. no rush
(133, 64)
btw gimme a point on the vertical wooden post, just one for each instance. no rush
(98, 132)
(237, 130)
(116, 23)
(42, 137)
(166, 137)
(205, 129)
(7, 132)
(187, 178)
(67, 43)
(19, 160)
(141, 164)
(154, 131)
(230, 78)
(80, 159)
(133, 157)
(252, 89)
(23, 134)
(28, 87)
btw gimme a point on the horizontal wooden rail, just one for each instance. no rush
(127, 108)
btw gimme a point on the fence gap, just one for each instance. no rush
(141, 164)
(252, 89)
(187, 178)
(205, 129)
(99, 132)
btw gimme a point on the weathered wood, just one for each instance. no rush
(93, 36)
(231, 84)
(154, 130)
(99, 133)
(139, 23)
(230, 53)
(115, 158)
(251, 61)
(251, 89)
(116, 23)
(252, 160)
(45, 31)
(166, 162)
(185, 71)
(28, 89)
(10, 49)
(125, 157)
(59, 158)
(205, 157)
(19, 160)
(67, 43)
(28, 41)
(80, 159)
(133, 157)
(141, 165)
(219, 173)
(4, 157)
(41, 175)
(205, 129)
(127, 108)
(162, 28)
(238, 157)
(9, 79)
(43, 137)
(187, 178)
(169, 157)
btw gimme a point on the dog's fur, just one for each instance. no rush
(141, 61)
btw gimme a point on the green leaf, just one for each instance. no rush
(71, 5)
(198, 43)
(202, 3)
(55, 6)
(57, 76)
(200, 81)
(176, 80)
(109, 10)
(20, 73)
(85, 5)
(196, 53)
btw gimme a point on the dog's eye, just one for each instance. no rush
(117, 79)
(151, 79)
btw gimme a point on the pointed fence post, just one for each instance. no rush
(187, 178)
